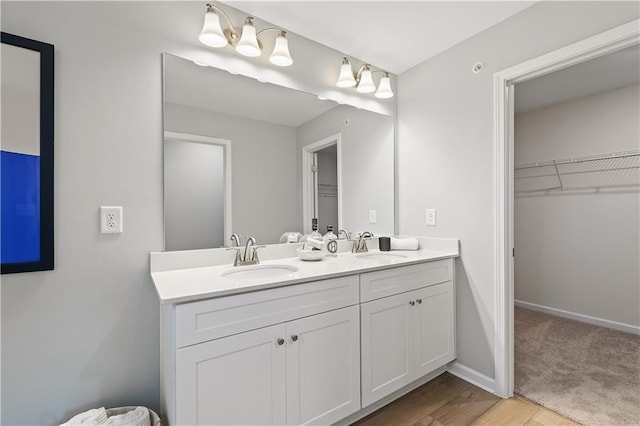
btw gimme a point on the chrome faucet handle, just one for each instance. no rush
(254, 254)
(238, 259)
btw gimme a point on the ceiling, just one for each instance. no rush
(385, 34)
(608, 72)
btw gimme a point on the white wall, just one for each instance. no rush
(87, 333)
(578, 248)
(446, 148)
(263, 169)
(367, 164)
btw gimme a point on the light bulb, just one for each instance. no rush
(384, 88)
(280, 55)
(212, 34)
(365, 85)
(346, 75)
(248, 44)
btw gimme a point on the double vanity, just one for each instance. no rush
(294, 342)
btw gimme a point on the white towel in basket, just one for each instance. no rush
(95, 416)
(136, 417)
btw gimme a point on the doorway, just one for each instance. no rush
(321, 177)
(576, 221)
(504, 81)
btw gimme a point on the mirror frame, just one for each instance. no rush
(46, 52)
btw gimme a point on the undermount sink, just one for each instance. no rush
(259, 272)
(380, 256)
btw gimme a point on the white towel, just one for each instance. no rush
(138, 417)
(95, 416)
(404, 243)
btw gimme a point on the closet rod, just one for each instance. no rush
(607, 156)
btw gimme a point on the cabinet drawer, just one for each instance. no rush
(214, 318)
(374, 285)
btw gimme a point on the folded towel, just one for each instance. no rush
(95, 416)
(404, 243)
(315, 244)
(137, 417)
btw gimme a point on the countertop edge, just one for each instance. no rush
(287, 282)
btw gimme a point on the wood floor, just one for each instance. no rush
(447, 400)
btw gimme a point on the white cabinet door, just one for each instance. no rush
(387, 346)
(434, 327)
(323, 367)
(234, 380)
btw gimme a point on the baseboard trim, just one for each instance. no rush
(580, 317)
(472, 376)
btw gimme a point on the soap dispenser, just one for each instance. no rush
(331, 241)
(314, 230)
(329, 235)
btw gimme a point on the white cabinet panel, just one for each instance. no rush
(374, 285)
(405, 337)
(237, 380)
(323, 367)
(387, 346)
(210, 319)
(434, 327)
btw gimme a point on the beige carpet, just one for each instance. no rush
(588, 373)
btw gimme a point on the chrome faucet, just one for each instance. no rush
(250, 254)
(347, 235)
(360, 245)
(235, 240)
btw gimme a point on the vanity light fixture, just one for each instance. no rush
(246, 41)
(363, 80)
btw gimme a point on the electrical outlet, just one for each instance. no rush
(431, 217)
(372, 216)
(110, 219)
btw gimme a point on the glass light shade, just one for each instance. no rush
(384, 88)
(366, 82)
(280, 55)
(248, 43)
(346, 75)
(212, 34)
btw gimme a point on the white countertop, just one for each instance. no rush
(195, 283)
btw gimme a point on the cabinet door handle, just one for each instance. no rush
(280, 341)
(412, 303)
(419, 300)
(294, 337)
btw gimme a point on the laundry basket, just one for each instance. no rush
(154, 418)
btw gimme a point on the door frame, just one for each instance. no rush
(226, 147)
(609, 41)
(309, 195)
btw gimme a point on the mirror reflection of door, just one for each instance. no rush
(321, 180)
(326, 190)
(194, 194)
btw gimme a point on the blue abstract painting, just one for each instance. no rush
(19, 207)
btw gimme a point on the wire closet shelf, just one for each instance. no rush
(547, 175)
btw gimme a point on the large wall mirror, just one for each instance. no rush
(26, 155)
(260, 160)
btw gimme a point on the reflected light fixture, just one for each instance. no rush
(363, 80)
(246, 42)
